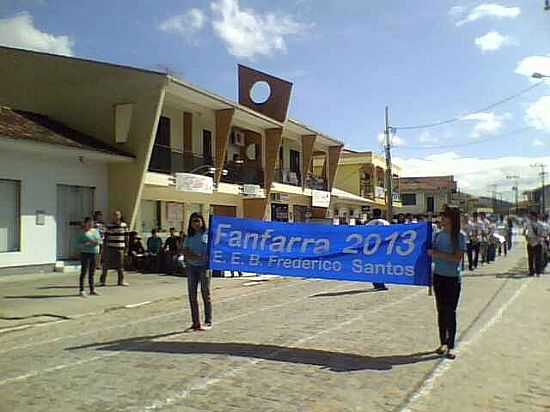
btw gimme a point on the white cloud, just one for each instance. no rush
(457, 11)
(534, 64)
(395, 140)
(19, 31)
(487, 123)
(492, 10)
(247, 33)
(186, 24)
(475, 174)
(427, 137)
(538, 114)
(538, 143)
(493, 41)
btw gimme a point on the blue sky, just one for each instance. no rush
(428, 61)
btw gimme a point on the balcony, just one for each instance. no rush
(316, 183)
(288, 177)
(243, 174)
(164, 160)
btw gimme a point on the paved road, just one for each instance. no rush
(287, 345)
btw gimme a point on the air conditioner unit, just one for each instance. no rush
(238, 138)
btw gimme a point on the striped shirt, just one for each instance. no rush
(116, 235)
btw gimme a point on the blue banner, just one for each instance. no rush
(386, 254)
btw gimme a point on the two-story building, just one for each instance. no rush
(360, 185)
(153, 146)
(426, 195)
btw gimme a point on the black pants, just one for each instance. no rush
(195, 276)
(534, 255)
(87, 264)
(491, 252)
(472, 250)
(447, 293)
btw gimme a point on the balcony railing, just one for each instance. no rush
(316, 183)
(288, 177)
(243, 174)
(164, 160)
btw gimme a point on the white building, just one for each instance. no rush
(49, 175)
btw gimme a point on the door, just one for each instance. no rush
(74, 203)
(430, 204)
(279, 212)
(221, 210)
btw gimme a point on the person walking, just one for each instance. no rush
(116, 242)
(377, 220)
(510, 232)
(195, 250)
(448, 251)
(88, 243)
(533, 234)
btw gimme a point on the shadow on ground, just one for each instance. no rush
(42, 296)
(332, 361)
(344, 293)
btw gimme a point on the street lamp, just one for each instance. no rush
(515, 189)
(540, 76)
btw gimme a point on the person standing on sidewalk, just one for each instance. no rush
(533, 234)
(99, 225)
(195, 250)
(88, 243)
(378, 221)
(115, 244)
(448, 251)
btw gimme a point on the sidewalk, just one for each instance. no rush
(32, 299)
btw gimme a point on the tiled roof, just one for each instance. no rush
(27, 126)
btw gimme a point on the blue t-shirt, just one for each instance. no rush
(442, 243)
(198, 243)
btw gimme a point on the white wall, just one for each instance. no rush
(39, 174)
(203, 120)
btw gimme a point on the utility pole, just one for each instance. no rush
(542, 175)
(515, 189)
(494, 196)
(389, 175)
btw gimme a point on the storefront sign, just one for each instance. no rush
(320, 198)
(252, 190)
(187, 182)
(388, 254)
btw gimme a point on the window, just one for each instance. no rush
(161, 158)
(207, 145)
(408, 199)
(10, 215)
(295, 161)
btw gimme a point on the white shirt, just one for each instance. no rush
(378, 222)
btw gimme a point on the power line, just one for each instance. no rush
(458, 118)
(476, 142)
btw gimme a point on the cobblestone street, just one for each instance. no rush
(278, 345)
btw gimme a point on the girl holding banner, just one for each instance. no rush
(448, 251)
(195, 250)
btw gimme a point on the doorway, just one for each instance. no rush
(430, 205)
(74, 203)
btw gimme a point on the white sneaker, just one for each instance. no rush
(83, 293)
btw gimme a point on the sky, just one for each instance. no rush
(429, 62)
